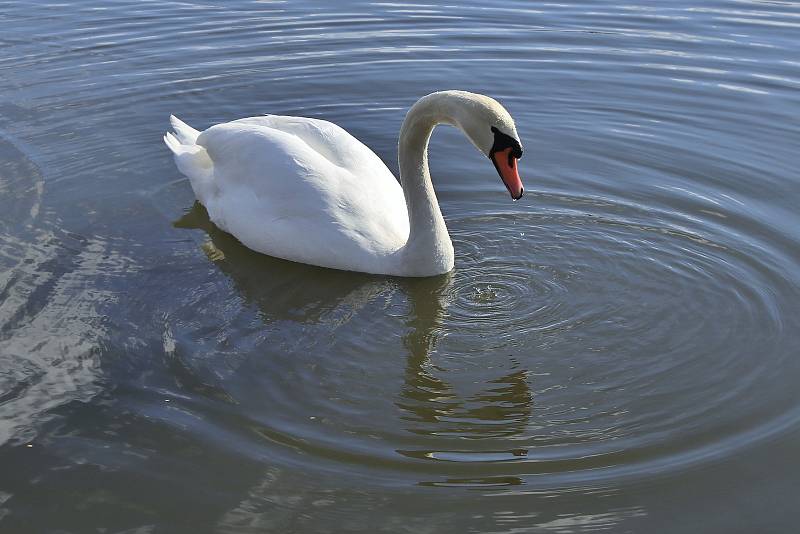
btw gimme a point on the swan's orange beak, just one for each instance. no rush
(507, 167)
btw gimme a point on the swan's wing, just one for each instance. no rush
(282, 196)
(326, 138)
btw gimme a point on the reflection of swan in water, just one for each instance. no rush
(453, 428)
(431, 408)
(502, 408)
(284, 290)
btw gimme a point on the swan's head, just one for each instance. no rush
(491, 129)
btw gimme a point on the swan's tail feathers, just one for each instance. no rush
(185, 133)
(192, 160)
(173, 144)
(181, 149)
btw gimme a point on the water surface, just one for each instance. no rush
(615, 352)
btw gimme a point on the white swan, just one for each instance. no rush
(306, 190)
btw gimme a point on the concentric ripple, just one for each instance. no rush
(562, 362)
(618, 344)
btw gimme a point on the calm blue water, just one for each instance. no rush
(618, 351)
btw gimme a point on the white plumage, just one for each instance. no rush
(305, 190)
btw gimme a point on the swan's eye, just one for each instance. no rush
(503, 141)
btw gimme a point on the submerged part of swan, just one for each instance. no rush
(306, 190)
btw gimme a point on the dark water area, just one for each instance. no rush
(617, 351)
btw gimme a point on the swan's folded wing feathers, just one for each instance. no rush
(269, 162)
(326, 138)
(281, 196)
(185, 133)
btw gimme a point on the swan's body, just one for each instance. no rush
(300, 189)
(306, 190)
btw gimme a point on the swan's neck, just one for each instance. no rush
(429, 249)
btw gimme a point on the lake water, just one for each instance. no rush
(617, 351)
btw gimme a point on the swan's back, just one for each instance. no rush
(326, 138)
(296, 188)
